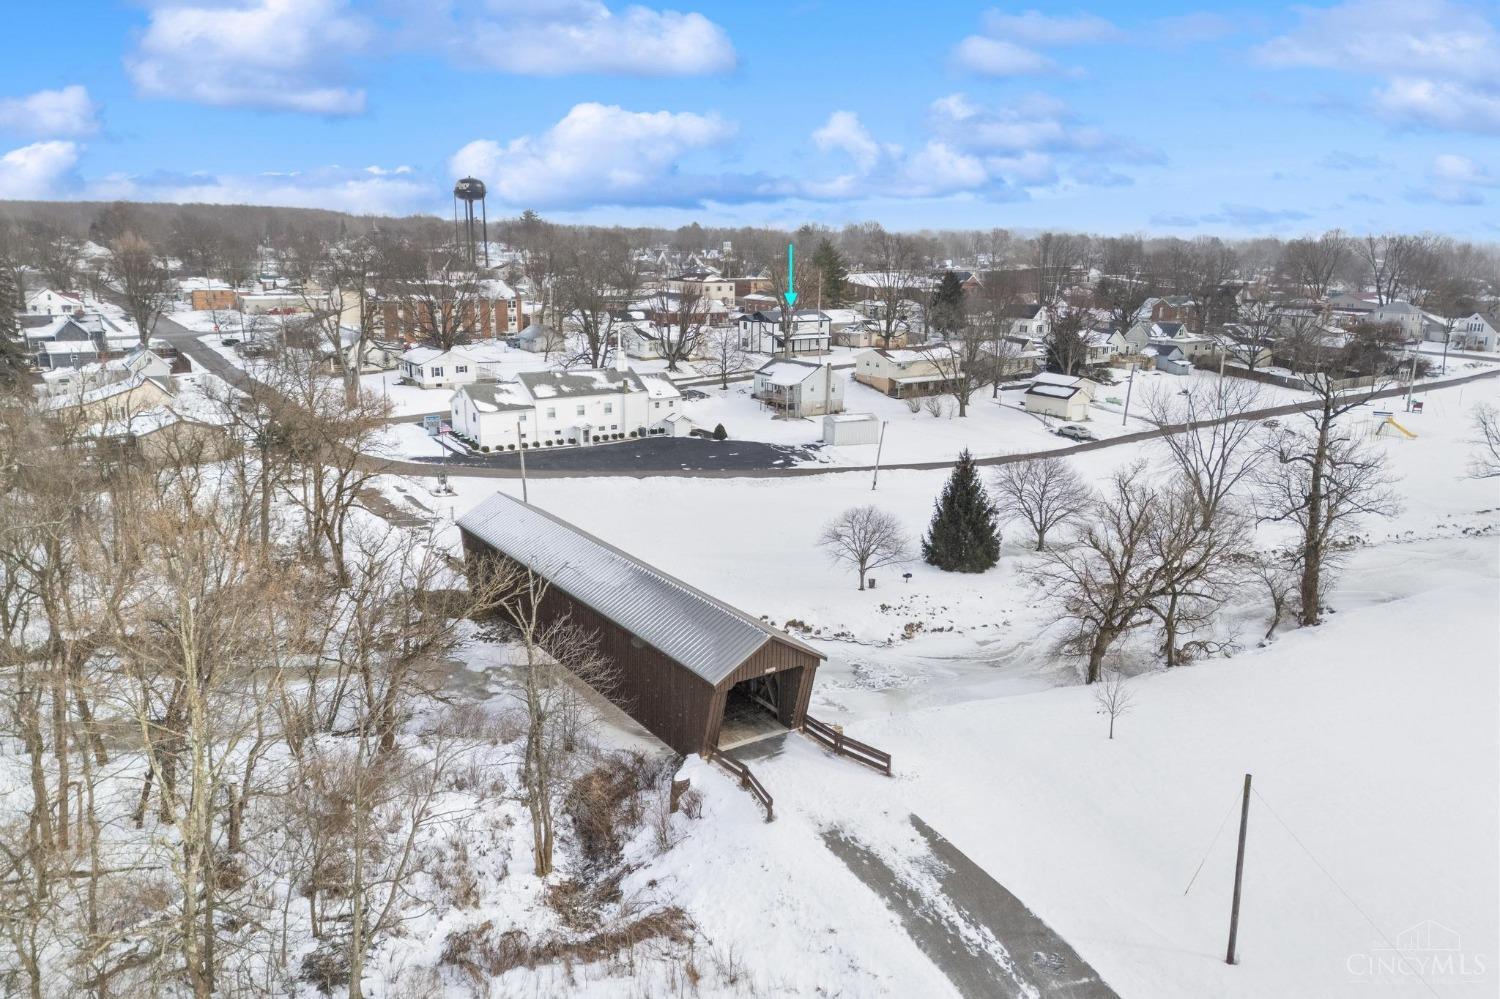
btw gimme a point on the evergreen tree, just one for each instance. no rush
(948, 304)
(963, 536)
(829, 265)
(13, 355)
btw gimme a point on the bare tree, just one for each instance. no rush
(1484, 462)
(596, 277)
(442, 307)
(1108, 578)
(1198, 555)
(1056, 259)
(894, 273)
(52, 250)
(1113, 695)
(1391, 262)
(1046, 493)
(552, 647)
(1323, 480)
(143, 281)
(724, 354)
(866, 537)
(1213, 448)
(681, 320)
(1066, 341)
(1314, 264)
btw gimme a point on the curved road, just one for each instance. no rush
(713, 459)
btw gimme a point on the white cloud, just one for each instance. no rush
(39, 170)
(996, 57)
(1457, 180)
(601, 154)
(583, 36)
(1441, 104)
(1036, 28)
(845, 133)
(64, 112)
(1440, 60)
(371, 190)
(1001, 49)
(283, 55)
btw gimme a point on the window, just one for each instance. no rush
(460, 369)
(580, 409)
(656, 405)
(437, 372)
(609, 407)
(551, 412)
(521, 418)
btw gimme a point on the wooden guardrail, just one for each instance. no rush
(843, 745)
(748, 781)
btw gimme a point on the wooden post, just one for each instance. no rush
(1239, 874)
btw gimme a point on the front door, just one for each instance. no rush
(584, 435)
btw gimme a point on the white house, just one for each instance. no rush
(1414, 323)
(539, 338)
(541, 409)
(428, 367)
(811, 332)
(1103, 346)
(47, 302)
(141, 362)
(1065, 397)
(799, 388)
(1474, 332)
(1142, 334)
(901, 374)
(1028, 321)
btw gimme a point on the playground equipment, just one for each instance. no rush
(1389, 420)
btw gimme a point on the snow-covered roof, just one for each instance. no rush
(1054, 391)
(421, 355)
(495, 397)
(658, 385)
(1053, 378)
(785, 372)
(851, 417)
(594, 381)
(709, 637)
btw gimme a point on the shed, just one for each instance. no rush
(851, 428)
(1066, 397)
(696, 672)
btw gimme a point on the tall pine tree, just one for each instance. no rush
(963, 536)
(829, 265)
(948, 305)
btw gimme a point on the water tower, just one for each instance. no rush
(471, 190)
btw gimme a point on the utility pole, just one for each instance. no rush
(879, 446)
(1239, 875)
(1125, 418)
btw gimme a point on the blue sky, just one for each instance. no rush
(1151, 117)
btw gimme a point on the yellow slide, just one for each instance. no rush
(1392, 421)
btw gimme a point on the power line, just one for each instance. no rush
(1227, 812)
(1416, 969)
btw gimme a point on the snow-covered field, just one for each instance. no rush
(1373, 741)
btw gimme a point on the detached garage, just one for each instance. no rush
(696, 672)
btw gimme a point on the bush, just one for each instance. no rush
(485, 449)
(720, 434)
(632, 434)
(510, 447)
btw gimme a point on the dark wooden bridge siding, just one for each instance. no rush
(675, 704)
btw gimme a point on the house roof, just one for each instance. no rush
(786, 372)
(555, 384)
(495, 397)
(706, 635)
(774, 316)
(1055, 391)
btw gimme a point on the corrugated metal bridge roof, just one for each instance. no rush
(706, 635)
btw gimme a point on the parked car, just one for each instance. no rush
(1074, 432)
(230, 341)
(694, 394)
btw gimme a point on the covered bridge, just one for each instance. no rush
(696, 672)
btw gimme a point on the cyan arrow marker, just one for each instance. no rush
(791, 258)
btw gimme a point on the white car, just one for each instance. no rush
(1074, 432)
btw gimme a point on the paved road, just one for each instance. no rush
(712, 459)
(980, 936)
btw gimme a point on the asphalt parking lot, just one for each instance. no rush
(652, 455)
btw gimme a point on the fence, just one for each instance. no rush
(748, 781)
(841, 744)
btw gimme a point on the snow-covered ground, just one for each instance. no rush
(1373, 741)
